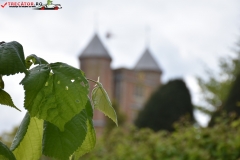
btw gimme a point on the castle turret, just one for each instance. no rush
(95, 61)
(148, 65)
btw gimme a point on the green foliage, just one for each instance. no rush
(167, 105)
(5, 153)
(28, 140)
(186, 143)
(88, 143)
(216, 88)
(232, 104)
(102, 102)
(58, 123)
(53, 89)
(12, 58)
(33, 59)
(61, 144)
(90, 139)
(6, 99)
(120, 116)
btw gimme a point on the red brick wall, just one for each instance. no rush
(125, 83)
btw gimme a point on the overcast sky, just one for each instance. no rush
(185, 37)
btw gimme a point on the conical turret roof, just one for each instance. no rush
(147, 62)
(95, 49)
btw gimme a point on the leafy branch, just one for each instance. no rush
(58, 122)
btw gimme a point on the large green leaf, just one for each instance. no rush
(90, 140)
(62, 144)
(22, 130)
(12, 58)
(102, 102)
(55, 92)
(27, 143)
(33, 83)
(6, 99)
(5, 153)
(88, 143)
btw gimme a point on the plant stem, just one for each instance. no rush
(92, 80)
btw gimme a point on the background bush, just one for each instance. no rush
(168, 104)
(221, 142)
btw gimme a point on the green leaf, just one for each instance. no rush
(5, 153)
(55, 96)
(27, 143)
(88, 143)
(102, 102)
(33, 83)
(89, 109)
(35, 60)
(1, 82)
(90, 140)
(22, 130)
(62, 144)
(12, 58)
(6, 99)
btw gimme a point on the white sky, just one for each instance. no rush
(185, 37)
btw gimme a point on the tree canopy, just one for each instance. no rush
(166, 106)
(215, 89)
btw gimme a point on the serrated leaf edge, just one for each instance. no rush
(88, 122)
(99, 86)
(11, 100)
(34, 120)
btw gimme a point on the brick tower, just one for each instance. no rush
(95, 61)
(133, 87)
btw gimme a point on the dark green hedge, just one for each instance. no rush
(168, 104)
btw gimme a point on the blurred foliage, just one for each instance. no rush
(7, 137)
(187, 142)
(221, 142)
(167, 105)
(216, 88)
(232, 104)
